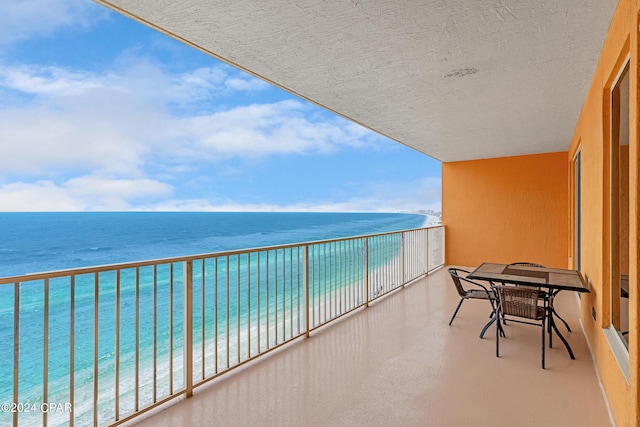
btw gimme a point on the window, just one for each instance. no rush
(619, 207)
(577, 214)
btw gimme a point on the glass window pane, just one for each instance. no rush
(620, 206)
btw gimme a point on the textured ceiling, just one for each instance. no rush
(454, 79)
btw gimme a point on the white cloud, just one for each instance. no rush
(351, 205)
(36, 197)
(197, 85)
(204, 86)
(21, 19)
(94, 186)
(97, 193)
(113, 123)
(89, 193)
(77, 121)
(396, 196)
(388, 196)
(249, 84)
(112, 130)
(48, 80)
(266, 129)
(36, 141)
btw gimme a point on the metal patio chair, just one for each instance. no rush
(551, 295)
(481, 292)
(520, 302)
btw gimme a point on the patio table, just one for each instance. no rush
(552, 279)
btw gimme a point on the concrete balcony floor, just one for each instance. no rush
(398, 363)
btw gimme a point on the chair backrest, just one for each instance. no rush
(527, 264)
(454, 272)
(520, 301)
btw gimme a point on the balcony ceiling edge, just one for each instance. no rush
(456, 81)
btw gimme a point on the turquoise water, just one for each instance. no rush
(42, 242)
(32, 242)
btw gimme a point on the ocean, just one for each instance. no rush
(40, 242)
(36, 242)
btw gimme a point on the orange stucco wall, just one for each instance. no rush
(521, 209)
(592, 138)
(506, 210)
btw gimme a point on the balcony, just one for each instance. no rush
(341, 332)
(397, 362)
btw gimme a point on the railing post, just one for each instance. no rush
(16, 348)
(188, 327)
(426, 250)
(444, 261)
(305, 280)
(72, 357)
(366, 270)
(402, 260)
(45, 362)
(96, 329)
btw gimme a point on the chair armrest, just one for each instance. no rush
(491, 294)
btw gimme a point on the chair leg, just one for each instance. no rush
(544, 332)
(498, 329)
(456, 312)
(549, 321)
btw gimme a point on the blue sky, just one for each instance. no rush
(99, 113)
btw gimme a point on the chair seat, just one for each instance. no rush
(477, 293)
(459, 276)
(520, 302)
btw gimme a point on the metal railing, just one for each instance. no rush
(100, 345)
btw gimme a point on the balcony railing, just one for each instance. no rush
(101, 345)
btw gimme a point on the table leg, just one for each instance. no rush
(551, 297)
(489, 323)
(564, 341)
